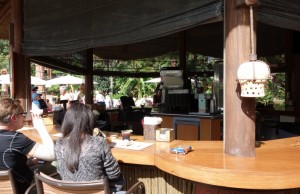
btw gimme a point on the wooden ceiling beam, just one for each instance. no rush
(58, 65)
(125, 74)
(143, 74)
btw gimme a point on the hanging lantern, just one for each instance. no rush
(252, 76)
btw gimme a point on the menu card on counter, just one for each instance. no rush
(132, 145)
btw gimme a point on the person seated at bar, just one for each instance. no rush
(16, 148)
(82, 156)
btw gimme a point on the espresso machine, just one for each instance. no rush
(175, 98)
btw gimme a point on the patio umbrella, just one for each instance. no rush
(37, 81)
(154, 80)
(64, 80)
(5, 79)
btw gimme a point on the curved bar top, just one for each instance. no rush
(276, 165)
(191, 114)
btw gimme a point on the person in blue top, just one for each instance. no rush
(35, 100)
(39, 104)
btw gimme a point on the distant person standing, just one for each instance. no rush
(49, 105)
(108, 101)
(173, 63)
(64, 93)
(99, 97)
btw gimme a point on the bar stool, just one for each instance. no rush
(186, 121)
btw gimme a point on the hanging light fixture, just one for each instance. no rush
(253, 75)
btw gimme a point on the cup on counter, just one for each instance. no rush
(126, 134)
(113, 137)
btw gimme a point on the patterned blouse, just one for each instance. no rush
(95, 162)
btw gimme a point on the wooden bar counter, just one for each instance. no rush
(275, 169)
(208, 127)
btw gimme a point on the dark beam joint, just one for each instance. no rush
(58, 65)
(243, 3)
(4, 10)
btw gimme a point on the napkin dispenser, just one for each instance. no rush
(149, 131)
(151, 124)
(165, 134)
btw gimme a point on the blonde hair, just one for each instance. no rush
(9, 107)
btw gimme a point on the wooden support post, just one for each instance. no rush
(292, 70)
(239, 113)
(183, 53)
(89, 78)
(19, 64)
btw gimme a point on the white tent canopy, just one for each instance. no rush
(5, 79)
(64, 80)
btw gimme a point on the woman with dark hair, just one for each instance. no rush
(82, 156)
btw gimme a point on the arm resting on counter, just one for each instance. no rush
(44, 151)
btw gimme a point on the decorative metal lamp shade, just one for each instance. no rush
(252, 76)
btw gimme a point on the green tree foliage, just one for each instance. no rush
(124, 85)
(4, 54)
(200, 63)
(103, 84)
(274, 89)
(137, 87)
(53, 90)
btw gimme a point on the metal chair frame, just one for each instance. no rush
(47, 184)
(7, 184)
